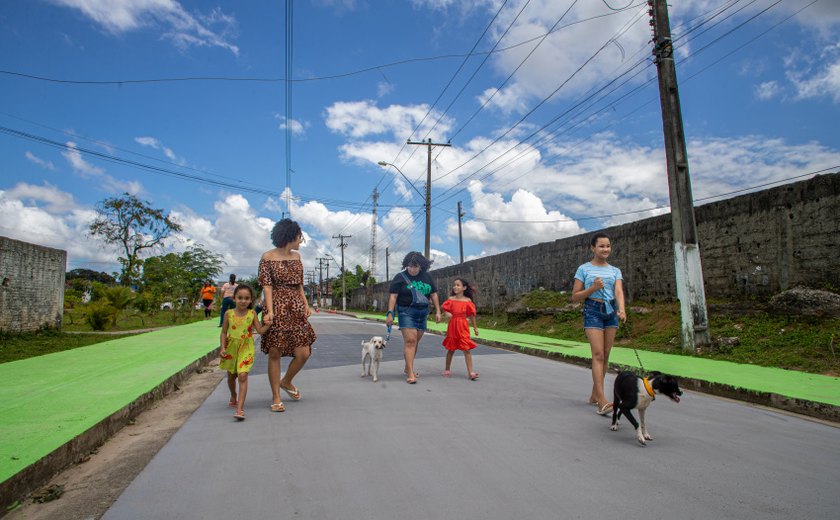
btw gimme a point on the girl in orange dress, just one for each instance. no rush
(460, 308)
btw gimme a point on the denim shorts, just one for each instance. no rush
(412, 317)
(595, 316)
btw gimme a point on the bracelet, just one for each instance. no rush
(389, 312)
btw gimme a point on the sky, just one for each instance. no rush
(551, 108)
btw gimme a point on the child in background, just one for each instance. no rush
(237, 354)
(460, 308)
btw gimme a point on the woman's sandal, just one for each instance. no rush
(411, 380)
(473, 376)
(239, 416)
(446, 373)
(294, 394)
(605, 409)
(278, 407)
(232, 403)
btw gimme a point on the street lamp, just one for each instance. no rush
(427, 197)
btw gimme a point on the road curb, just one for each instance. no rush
(33, 476)
(818, 410)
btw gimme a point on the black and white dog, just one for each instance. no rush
(372, 350)
(631, 391)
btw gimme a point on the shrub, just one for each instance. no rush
(98, 313)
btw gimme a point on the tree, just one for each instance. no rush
(90, 275)
(179, 276)
(353, 281)
(133, 226)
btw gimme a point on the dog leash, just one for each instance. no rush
(388, 335)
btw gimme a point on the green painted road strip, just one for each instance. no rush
(49, 400)
(789, 383)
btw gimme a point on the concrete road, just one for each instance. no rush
(521, 442)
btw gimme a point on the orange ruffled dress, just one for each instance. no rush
(458, 331)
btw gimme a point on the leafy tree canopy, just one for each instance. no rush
(132, 226)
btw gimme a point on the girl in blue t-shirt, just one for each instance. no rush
(599, 286)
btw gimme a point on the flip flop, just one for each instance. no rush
(278, 407)
(294, 394)
(446, 373)
(232, 403)
(239, 416)
(411, 380)
(473, 376)
(604, 410)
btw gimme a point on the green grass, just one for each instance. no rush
(797, 343)
(21, 346)
(74, 320)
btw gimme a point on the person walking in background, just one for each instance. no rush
(290, 334)
(227, 297)
(460, 310)
(410, 293)
(208, 294)
(599, 286)
(237, 355)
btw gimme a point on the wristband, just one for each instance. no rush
(389, 312)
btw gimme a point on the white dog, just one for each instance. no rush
(372, 349)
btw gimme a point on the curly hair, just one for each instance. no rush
(285, 231)
(416, 258)
(469, 290)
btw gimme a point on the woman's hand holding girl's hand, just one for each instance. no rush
(268, 318)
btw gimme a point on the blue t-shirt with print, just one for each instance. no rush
(587, 273)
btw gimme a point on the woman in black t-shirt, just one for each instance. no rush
(412, 314)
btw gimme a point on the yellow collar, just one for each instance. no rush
(649, 389)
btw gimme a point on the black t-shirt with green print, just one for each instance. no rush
(422, 282)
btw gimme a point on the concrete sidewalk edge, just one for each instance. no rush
(20, 485)
(816, 409)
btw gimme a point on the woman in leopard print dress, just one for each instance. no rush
(290, 335)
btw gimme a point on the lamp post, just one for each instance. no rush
(427, 197)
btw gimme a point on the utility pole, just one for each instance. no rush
(690, 291)
(372, 260)
(343, 274)
(387, 274)
(460, 236)
(321, 262)
(327, 286)
(428, 144)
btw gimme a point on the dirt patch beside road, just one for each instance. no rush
(91, 487)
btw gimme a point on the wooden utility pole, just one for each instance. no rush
(690, 291)
(343, 275)
(460, 236)
(429, 144)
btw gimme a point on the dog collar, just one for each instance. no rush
(649, 389)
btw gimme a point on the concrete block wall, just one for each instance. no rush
(31, 286)
(752, 246)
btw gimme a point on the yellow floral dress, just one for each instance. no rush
(239, 356)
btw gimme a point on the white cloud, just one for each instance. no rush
(40, 162)
(181, 27)
(155, 143)
(822, 79)
(45, 216)
(767, 90)
(357, 119)
(383, 88)
(492, 220)
(297, 127)
(89, 171)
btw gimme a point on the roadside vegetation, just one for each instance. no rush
(15, 346)
(742, 334)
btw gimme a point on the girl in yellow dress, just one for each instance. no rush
(237, 354)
